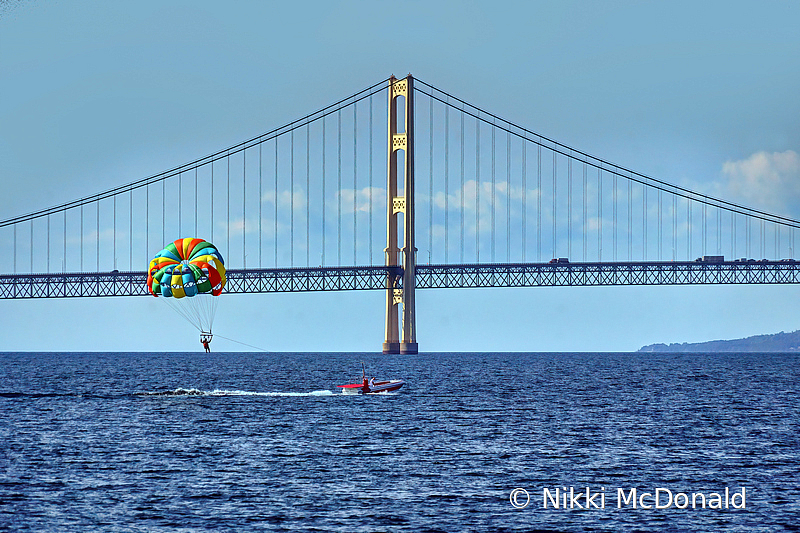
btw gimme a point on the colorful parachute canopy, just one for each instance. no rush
(186, 268)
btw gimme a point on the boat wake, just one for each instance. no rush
(217, 392)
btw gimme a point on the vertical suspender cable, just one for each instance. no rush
(308, 194)
(430, 179)
(477, 190)
(659, 225)
(747, 237)
(630, 220)
(446, 179)
(31, 233)
(130, 233)
(146, 218)
(674, 227)
(195, 201)
(211, 199)
(585, 212)
(355, 183)
(48, 240)
(275, 234)
(508, 197)
(15, 249)
(462, 186)
(555, 193)
(98, 238)
(599, 214)
(180, 195)
(689, 227)
(539, 201)
(614, 226)
(339, 188)
(777, 240)
(775, 247)
(291, 198)
(244, 208)
(569, 206)
(371, 259)
(260, 198)
(704, 249)
(494, 189)
(322, 253)
(644, 222)
(524, 195)
(228, 203)
(760, 240)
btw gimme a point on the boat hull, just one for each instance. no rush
(375, 387)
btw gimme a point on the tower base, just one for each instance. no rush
(391, 347)
(410, 348)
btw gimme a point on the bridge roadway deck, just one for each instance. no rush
(95, 284)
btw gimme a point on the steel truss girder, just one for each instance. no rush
(311, 279)
(73, 285)
(97, 284)
(605, 274)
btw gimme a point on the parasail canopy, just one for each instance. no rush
(190, 270)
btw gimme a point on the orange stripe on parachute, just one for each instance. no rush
(192, 246)
(186, 246)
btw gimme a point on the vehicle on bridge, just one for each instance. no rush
(711, 259)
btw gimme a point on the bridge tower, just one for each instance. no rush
(397, 204)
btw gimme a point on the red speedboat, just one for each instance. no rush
(372, 386)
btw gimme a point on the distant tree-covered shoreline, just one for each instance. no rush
(778, 342)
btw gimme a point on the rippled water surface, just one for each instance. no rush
(264, 442)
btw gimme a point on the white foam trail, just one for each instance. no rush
(218, 392)
(251, 393)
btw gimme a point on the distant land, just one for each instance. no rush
(778, 342)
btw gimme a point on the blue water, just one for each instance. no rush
(263, 442)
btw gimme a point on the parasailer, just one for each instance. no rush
(205, 340)
(190, 274)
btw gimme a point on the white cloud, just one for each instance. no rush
(366, 200)
(765, 180)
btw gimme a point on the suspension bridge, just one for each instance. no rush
(400, 186)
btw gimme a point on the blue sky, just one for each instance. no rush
(97, 94)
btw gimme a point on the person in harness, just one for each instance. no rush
(205, 339)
